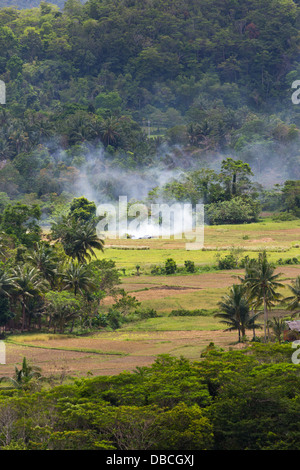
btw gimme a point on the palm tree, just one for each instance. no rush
(78, 277)
(262, 283)
(109, 130)
(20, 140)
(294, 300)
(3, 247)
(86, 241)
(45, 260)
(278, 325)
(235, 311)
(7, 283)
(5, 149)
(78, 237)
(23, 376)
(29, 283)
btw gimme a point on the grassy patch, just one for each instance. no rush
(176, 324)
(65, 348)
(278, 238)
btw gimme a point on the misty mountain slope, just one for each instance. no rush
(169, 84)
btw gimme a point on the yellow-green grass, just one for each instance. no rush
(176, 324)
(30, 344)
(207, 299)
(147, 259)
(197, 291)
(279, 239)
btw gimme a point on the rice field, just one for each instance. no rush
(138, 344)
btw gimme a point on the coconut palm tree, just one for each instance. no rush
(86, 241)
(45, 260)
(7, 283)
(261, 283)
(235, 311)
(278, 326)
(294, 300)
(78, 237)
(78, 278)
(110, 130)
(28, 283)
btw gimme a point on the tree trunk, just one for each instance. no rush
(265, 318)
(23, 316)
(243, 331)
(72, 326)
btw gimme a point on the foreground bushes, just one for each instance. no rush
(246, 399)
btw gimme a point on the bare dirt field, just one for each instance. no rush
(152, 288)
(134, 348)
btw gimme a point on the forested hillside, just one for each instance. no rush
(29, 3)
(130, 85)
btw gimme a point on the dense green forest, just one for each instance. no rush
(142, 89)
(29, 3)
(221, 402)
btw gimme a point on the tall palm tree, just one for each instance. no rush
(86, 241)
(7, 283)
(262, 283)
(78, 237)
(29, 283)
(45, 260)
(235, 311)
(78, 278)
(294, 300)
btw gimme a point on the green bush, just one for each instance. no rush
(182, 312)
(284, 217)
(170, 266)
(282, 262)
(100, 320)
(190, 266)
(157, 270)
(228, 262)
(114, 319)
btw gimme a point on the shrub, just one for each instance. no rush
(170, 266)
(100, 320)
(157, 270)
(114, 319)
(284, 217)
(287, 261)
(190, 266)
(182, 312)
(228, 262)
